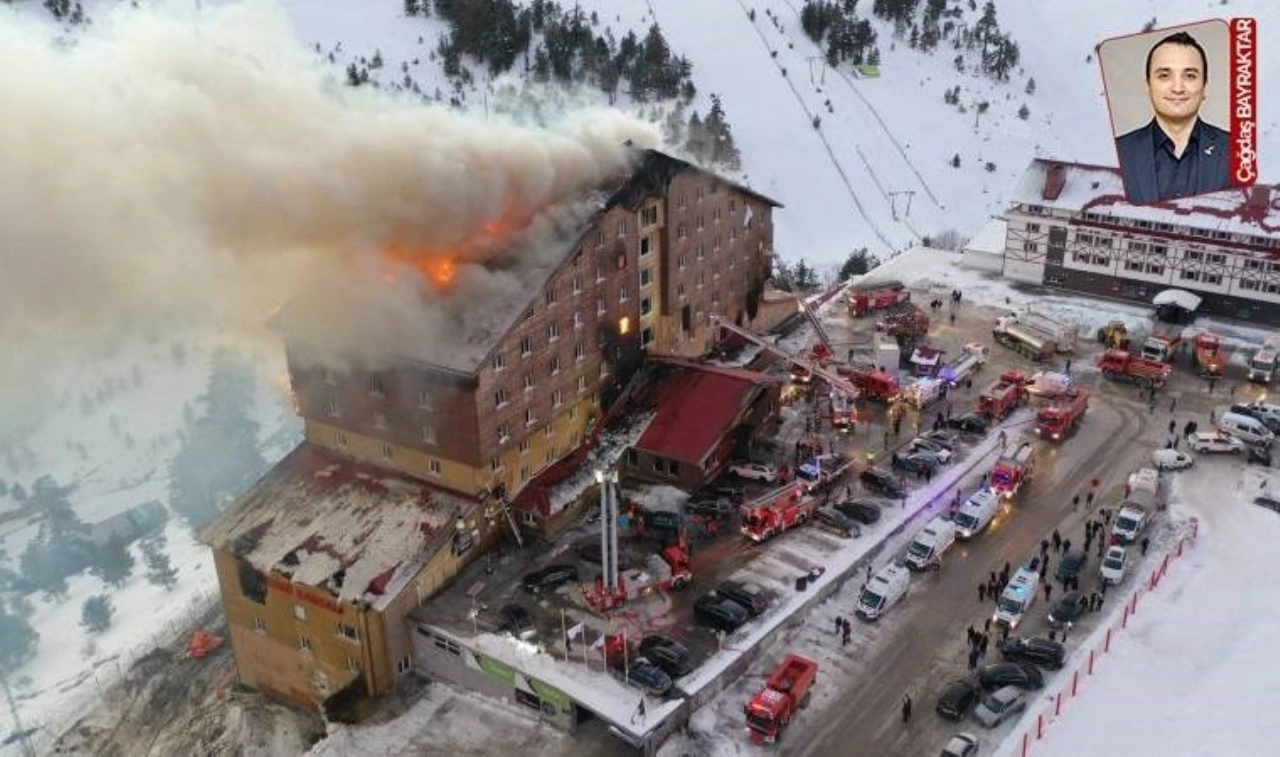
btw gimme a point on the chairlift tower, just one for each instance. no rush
(893, 202)
(820, 78)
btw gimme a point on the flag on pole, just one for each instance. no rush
(576, 631)
(599, 642)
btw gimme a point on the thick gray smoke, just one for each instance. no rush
(171, 163)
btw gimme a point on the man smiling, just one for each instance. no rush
(1176, 153)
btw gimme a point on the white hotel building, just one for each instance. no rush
(1069, 227)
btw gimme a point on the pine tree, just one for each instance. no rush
(95, 614)
(113, 563)
(697, 141)
(160, 571)
(1031, 86)
(18, 640)
(722, 149)
(955, 160)
(860, 261)
(1024, 112)
(410, 7)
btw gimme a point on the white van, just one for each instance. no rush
(1131, 521)
(1017, 598)
(882, 592)
(931, 543)
(1246, 429)
(976, 513)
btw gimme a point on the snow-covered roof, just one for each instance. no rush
(1180, 297)
(322, 520)
(990, 238)
(1253, 211)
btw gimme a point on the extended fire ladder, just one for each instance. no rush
(497, 498)
(838, 383)
(823, 339)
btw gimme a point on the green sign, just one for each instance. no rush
(495, 669)
(548, 694)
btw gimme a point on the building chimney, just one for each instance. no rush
(1259, 197)
(1055, 178)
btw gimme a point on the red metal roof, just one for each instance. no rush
(697, 407)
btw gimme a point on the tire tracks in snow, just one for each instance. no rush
(818, 131)
(874, 114)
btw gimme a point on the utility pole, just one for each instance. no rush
(893, 204)
(821, 77)
(24, 736)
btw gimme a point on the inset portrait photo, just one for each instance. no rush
(1168, 95)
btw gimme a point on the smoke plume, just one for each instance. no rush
(165, 163)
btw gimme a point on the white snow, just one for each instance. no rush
(990, 238)
(1189, 675)
(1180, 297)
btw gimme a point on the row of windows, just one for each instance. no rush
(502, 397)
(1168, 228)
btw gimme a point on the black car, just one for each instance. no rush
(861, 511)
(590, 551)
(1068, 610)
(735, 494)
(957, 699)
(666, 653)
(749, 595)
(716, 508)
(643, 674)
(970, 423)
(1037, 651)
(942, 438)
(550, 578)
(1259, 456)
(916, 462)
(1071, 565)
(883, 482)
(1021, 674)
(1267, 501)
(517, 622)
(719, 613)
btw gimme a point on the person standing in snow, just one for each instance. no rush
(1146, 542)
(906, 708)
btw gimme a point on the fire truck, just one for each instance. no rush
(1119, 365)
(874, 385)
(844, 414)
(778, 511)
(1208, 355)
(1024, 340)
(1013, 469)
(868, 298)
(1062, 418)
(907, 324)
(1002, 397)
(785, 691)
(1060, 333)
(664, 572)
(922, 392)
(824, 471)
(1163, 343)
(972, 357)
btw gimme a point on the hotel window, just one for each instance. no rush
(557, 398)
(553, 365)
(1190, 276)
(495, 464)
(579, 351)
(259, 626)
(353, 665)
(733, 233)
(646, 306)
(526, 346)
(623, 294)
(715, 215)
(551, 296)
(499, 362)
(524, 473)
(300, 613)
(529, 417)
(523, 447)
(1030, 247)
(380, 421)
(549, 431)
(341, 438)
(600, 306)
(332, 402)
(573, 413)
(500, 398)
(434, 466)
(377, 386)
(387, 451)
(1212, 278)
(577, 285)
(682, 261)
(577, 319)
(679, 290)
(648, 216)
(429, 434)
(504, 433)
(350, 633)
(1134, 265)
(622, 227)
(599, 238)
(682, 201)
(645, 246)
(700, 222)
(304, 644)
(702, 250)
(700, 194)
(646, 277)
(1155, 270)
(682, 232)
(529, 383)
(599, 273)
(1033, 228)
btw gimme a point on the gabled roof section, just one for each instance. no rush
(696, 406)
(325, 521)
(1079, 188)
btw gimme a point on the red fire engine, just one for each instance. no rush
(875, 385)
(660, 573)
(777, 511)
(784, 692)
(1208, 354)
(1002, 398)
(868, 299)
(1012, 470)
(1121, 365)
(1062, 418)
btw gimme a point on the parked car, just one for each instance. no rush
(1216, 442)
(1171, 459)
(755, 472)
(941, 437)
(1113, 566)
(1268, 501)
(941, 452)
(957, 698)
(719, 613)
(835, 522)
(590, 551)
(667, 653)
(1037, 651)
(1071, 565)
(550, 578)
(1258, 456)
(883, 482)
(969, 423)
(644, 675)
(999, 706)
(861, 511)
(1066, 611)
(716, 508)
(917, 462)
(997, 675)
(751, 596)
(733, 493)
(517, 622)
(961, 745)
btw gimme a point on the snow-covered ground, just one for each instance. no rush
(1190, 675)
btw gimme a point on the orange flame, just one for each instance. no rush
(440, 267)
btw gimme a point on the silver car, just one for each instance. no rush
(999, 706)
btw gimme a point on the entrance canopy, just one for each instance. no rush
(1178, 298)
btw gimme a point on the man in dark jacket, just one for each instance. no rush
(1176, 154)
